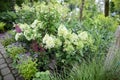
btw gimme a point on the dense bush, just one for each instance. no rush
(100, 27)
(56, 40)
(8, 17)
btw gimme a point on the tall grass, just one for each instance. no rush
(94, 70)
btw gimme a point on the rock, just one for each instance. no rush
(9, 77)
(5, 71)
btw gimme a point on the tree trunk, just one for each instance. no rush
(81, 9)
(106, 8)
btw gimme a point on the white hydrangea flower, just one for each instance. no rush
(73, 38)
(62, 31)
(35, 34)
(17, 8)
(24, 26)
(18, 35)
(83, 35)
(49, 41)
(34, 24)
(28, 34)
(45, 38)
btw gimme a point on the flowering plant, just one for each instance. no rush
(66, 45)
(60, 45)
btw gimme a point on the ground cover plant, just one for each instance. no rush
(49, 42)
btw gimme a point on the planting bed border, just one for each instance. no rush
(7, 72)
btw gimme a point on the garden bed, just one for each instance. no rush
(48, 42)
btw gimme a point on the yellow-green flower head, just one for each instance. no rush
(58, 42)
(24, 26)
(45, 38)
(69, 48)
(26, 7)
(34, 24)
(73, 38)
(17, 8)
(28, 34)
(18, 35)
(83, 35)
(49, 41)
(62, 31)
(79, 45)
(67, 42)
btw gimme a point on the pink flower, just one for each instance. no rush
(17, 28)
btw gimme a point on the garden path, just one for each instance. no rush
(7, 72)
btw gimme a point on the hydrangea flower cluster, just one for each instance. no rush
(65, 39)
(68, 40)
(29, 31)
(51, 41)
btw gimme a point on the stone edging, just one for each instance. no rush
(7, 72)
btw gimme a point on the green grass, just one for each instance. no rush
(93, 70)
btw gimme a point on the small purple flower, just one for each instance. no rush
(17, 28)
(27, 53)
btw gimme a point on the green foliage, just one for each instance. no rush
(7, 41)
(66, 45)
(42, 76)
(117, 5)
(101, 29)
(93, 70)
(11, 32)
(8, 17)
(61, 46)
(88, 71)
(5, 5)
(49, 15)
(113, 66)
(2, 26)
(27, 68)
(14, 51)
(96, 71)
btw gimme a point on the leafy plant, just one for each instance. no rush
(65, 45)
(42, 76)
(11, 33)
(27, 68)
(49, 15)
(2, 26)
(7, 41)
(14, 51)
(8, 17)
(102, 30)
